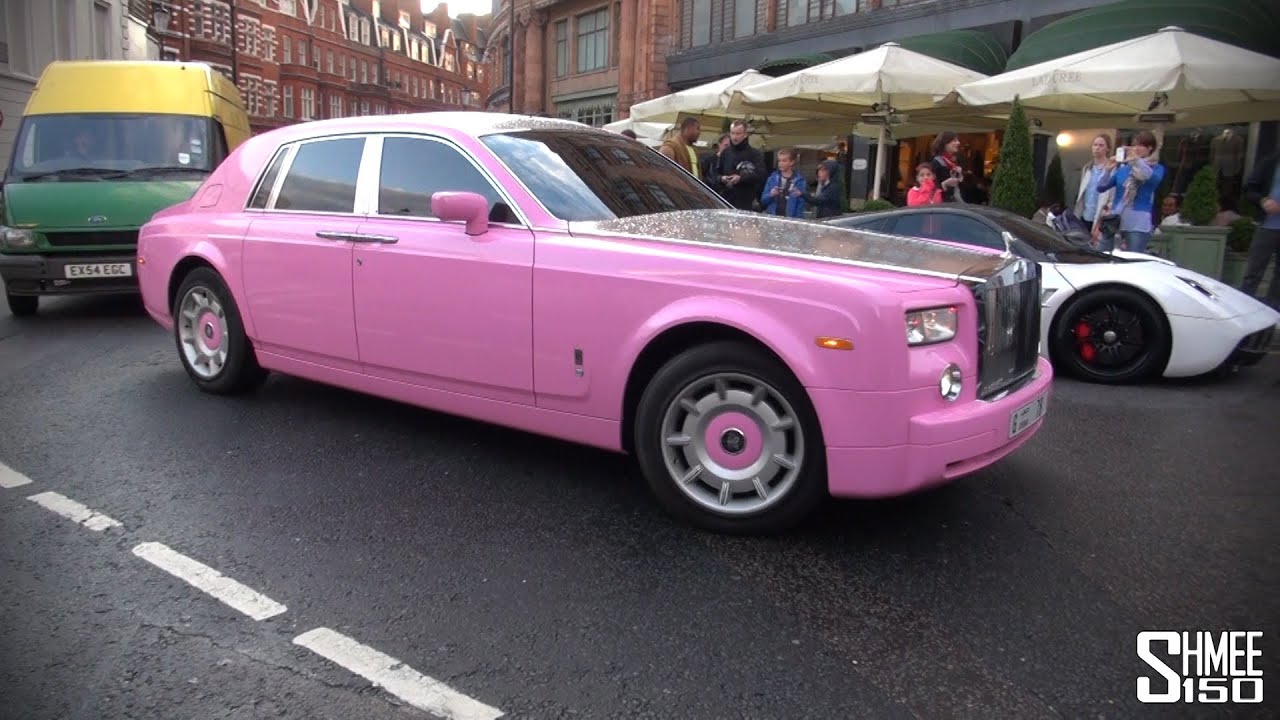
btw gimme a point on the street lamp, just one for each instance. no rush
(161, 17)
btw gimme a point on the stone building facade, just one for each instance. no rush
(586, 60)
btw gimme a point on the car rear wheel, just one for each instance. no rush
(22, 305)
(1112, 336)
(728, 441)
(210, 336)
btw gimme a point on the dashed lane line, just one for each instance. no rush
(72, 510)
(202, 577)
(404, 682)
(10, 478)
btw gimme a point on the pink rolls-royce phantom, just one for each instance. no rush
(548, 276)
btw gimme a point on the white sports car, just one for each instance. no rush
(1117, 317)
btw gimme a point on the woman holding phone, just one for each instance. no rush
(1136, 175)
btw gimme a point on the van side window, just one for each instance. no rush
(263, 192)
(322, 177)
(219, 142)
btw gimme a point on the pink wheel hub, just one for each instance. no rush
(733, 440)
(210, 330)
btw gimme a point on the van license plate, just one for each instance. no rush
(1026, 416)
(99, 270)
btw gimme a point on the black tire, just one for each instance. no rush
(240, 372)
(1137, 350)
(22, 305)
(735, 361)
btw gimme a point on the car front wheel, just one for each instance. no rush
(1112, 336)
(728, 440)
(210, 336)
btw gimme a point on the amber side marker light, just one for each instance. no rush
(832, 343)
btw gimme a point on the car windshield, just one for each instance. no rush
(114, 146)
(1045, 240)
(591, 176)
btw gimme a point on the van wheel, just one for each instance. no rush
(22, 305)
(210, 336)
(728, 441)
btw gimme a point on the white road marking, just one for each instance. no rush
(202, 577)
(72, 510)
(394, 676)
(10, 478)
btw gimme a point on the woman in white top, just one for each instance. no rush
(1091, 205)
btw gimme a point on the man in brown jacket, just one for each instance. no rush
(679, 147)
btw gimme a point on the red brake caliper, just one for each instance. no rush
(1087, 352)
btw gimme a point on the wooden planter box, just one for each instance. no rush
(1198, 248)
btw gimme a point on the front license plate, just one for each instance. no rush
(1026, 416)
(99, 270)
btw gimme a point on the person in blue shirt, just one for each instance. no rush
(1136, 181)
(785, 189)
(1263, 188)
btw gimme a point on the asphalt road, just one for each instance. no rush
(538, 578)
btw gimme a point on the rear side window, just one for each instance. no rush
(323, 177)
(268, 181)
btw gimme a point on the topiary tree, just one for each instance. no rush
(876, 205)
(1055, 183)
(1013, 185)
(1200, 204)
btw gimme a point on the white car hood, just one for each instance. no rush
(1167, 283)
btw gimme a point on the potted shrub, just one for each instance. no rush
(1236, 257)
(1199, 246)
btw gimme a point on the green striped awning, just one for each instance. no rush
(1249, 24)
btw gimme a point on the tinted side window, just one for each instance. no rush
(323, 177)
(414, 168)
(263, 193)
(945, 226)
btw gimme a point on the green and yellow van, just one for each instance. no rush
(103, 146)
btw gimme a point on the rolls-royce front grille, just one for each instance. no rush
(1008, 328)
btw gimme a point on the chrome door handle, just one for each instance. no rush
(356, 237)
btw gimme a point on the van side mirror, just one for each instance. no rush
(471, 208)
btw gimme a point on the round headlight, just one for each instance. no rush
(950, 383)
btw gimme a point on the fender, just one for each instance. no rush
(753, 320)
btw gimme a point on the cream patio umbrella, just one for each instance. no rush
(872, 86)
(1167, 76)
(707, 102)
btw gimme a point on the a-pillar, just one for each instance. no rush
(535, 36)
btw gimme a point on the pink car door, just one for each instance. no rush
(298, 256)
(434, 306)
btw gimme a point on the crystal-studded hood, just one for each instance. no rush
(771, 234)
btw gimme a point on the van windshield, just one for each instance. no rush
(115, 147)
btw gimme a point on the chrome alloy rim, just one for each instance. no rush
(732, 444)
(202, 328)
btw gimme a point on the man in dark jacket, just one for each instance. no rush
(1263, 188)
(740, 171)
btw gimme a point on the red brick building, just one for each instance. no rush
(586, 60)
(298, 60)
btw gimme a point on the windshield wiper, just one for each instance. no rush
(166, 169)
(89, 171)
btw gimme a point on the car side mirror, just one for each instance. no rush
(471, 208)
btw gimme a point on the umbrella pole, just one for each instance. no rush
(880, 151)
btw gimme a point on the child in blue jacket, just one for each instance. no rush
(784, 184)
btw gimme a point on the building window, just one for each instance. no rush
(744, 17)
(701, 25)
(101, 30)
(289, 7)
(562, 48)
(797, 12)
(593, 41)
(335, 106)
(288, 101)
(308, 104)
(288, 49)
